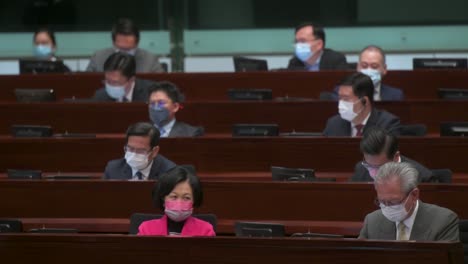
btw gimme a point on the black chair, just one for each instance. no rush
(415, 130)
(463, 228)
(137, 218)
(442, 175)
(11, 226)
(254, 229)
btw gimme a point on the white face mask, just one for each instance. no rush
(346, 110)
(136, 161)
(374, 74)
(395, 213)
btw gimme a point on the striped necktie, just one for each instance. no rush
(402, 235)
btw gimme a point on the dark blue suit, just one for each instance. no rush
(119, 169)
(338, 127)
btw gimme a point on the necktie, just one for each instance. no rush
(124, 99)
(402, 232)
(139, 175)
(162, 131)
(359, 130)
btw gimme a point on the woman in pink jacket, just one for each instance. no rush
(176, 193)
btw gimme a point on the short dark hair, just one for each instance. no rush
(48, 32)
(125, 26)
(317, 30)
(144, 129)
(362, 85)
(123, 62)
(167, 182)
(170, 89)
(374, 48)
(377, 140)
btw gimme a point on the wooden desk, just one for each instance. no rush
(217, 117)
(214, 86)
(46, 248)
(221, 155)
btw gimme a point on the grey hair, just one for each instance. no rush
(374, 48)
(407, 174)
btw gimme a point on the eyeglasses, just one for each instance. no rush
(158, 104)
(392, 203)
(369, 166)
(136, 150)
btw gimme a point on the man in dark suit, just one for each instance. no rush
(125, 37)
(402, 216)
(356, 110)
(310, 51)
(121, 85)
(379, 147)
(372, 63)
(142, 160)
(165, 101)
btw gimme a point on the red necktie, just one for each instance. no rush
(359, 130)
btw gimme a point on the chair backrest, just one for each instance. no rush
(463, 228)
(417, 130)
(137, 218)
(11, 226)
(442, 175)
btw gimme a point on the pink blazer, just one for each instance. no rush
(192, 227)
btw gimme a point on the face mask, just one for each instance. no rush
(136, 161)
(395, 213)
(129, 52)
(372, 172)
(178, 210)
(159, 115)
(116, 92)
(346, 110)
(375, 75)
(42, 51)
(303, 51)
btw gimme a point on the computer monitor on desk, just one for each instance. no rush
(41, 66)
(440, 63)
(453, 93)
(242, 64)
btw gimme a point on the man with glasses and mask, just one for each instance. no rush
(125, 38)
(356, 110)
(402, 216)
(379, 147)
(120, 82)
(142, 160)
(165, 101)
(310, 51)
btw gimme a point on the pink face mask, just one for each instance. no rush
(178, 210)
(373, 172)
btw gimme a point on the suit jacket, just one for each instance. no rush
(181, 129)
(119, 169)
(338, 127)
(331, 60)
(192, 227)
(145, 61)
(361, 174)
(432, 223)
(140, 92)
(387, 93)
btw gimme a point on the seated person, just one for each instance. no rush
(125, 37)
(142, 160)
(164, 102)
(176, 193)
(310, 51)
(45, 46)
(121, 85)
(372, 63)
(402, 216)
(379, 147)
(356, 110)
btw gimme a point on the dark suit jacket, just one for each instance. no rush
(361, 174)
(181, 129)
(145, 61)
(338, 127)
(119, 169)
(387, 93)
(331, 60)
(432, 223)
(140, 92)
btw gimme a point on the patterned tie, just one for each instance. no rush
(139, 175)
(359, 130)
(402, 231)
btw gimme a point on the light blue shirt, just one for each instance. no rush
(315, 66)
(166, 129)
